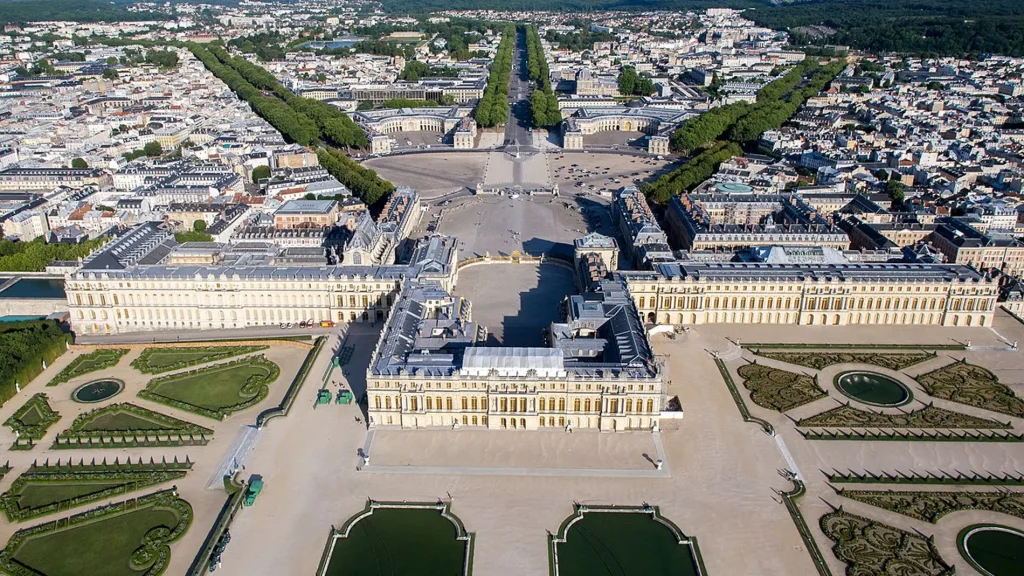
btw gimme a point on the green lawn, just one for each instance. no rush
(35, 495)
(218, 390)
(102, 548)
(400, 542)
(31, 417)
(158, 360)
(213, 389)
(91, 362)
(124, 421)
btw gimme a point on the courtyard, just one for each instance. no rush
(518, 310)
(432, 174)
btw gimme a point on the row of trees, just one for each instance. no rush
(363, 182)
(689, 175)
(301, 120)
(492, 109)
(700, 131)
(738, 123)
(543, 103)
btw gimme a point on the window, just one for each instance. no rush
(543, 404)
(629, 405)
(465, 403)
(587, 405)
(430, 403)
(448, 403)
(376, 402)
(576, 405)
(561, 404)
(387, 402)
(413, 404)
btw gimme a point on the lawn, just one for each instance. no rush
(91, 362)
(124, 421)
(101, 542)
(159, 360)
(31, 421)
(399, 541)
(218, 390)
(36, 495)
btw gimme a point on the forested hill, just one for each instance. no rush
(22, 11)
(929, 27)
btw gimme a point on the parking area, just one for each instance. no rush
(602, 174)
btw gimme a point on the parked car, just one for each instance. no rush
(327, 324)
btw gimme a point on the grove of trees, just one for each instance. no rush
(633, 84)
(34, 256)
(26, 346)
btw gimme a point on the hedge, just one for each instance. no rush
(256, 387)
(32, 432)
(293, 390)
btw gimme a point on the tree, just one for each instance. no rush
(153, 149)
(112, 61)
(260, 172)
(110, 74)
(894, 188)
(199, 226)
(627, 80)
(79, 163)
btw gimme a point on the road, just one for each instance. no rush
(517, 127)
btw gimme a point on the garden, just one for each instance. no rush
(215, 391)
(92, 362)
(40, 492)
(778, 389)
(123, 425)
(820, 360)
(399, 538)
(160, 360)
(974, 386)
(129, 538)
(929, 506)
(870, 547)
(31, 422)
(626, 541)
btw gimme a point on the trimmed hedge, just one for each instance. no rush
(174, 432)
(91, 362)
(32, 432)
(901, 436)
(211, 354)
(941, 479)
(293, 390)
(256, 388)
(802, 346)
(153, 555)
(133, 480)
(116, 466)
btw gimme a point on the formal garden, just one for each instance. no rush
(820, 360)
(399, 538)
(128, 538)
(867, 546)
(48, 489)
(97, 390)
(930, 416)
(929, 506)
(974, 386)
(160, 360)
(622, 540)
(215, 391)
(128, 425)
(86, 363)
(30, 422)
(779, 390)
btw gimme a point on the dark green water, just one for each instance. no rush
(399, 542)
(623, 544)
(35, 288)
(1000, 553)
(96, 391)
(872, 388)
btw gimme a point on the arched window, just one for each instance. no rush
(465, 403)
(586, 405)
(387, 403)
(448, 403)
(430, 403)
(474, 403)
(376, 402)
(561, 404)
(650, 405)
(629, 405)
(576, 405)
(543, 404)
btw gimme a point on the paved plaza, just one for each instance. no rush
(517, 310)
(722, 480)
(432, 174)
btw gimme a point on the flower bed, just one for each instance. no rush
(215, 391)
(31, 421)
(127, 425)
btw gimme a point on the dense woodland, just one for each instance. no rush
(34, 256)
(22, 11)
(25, 346)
